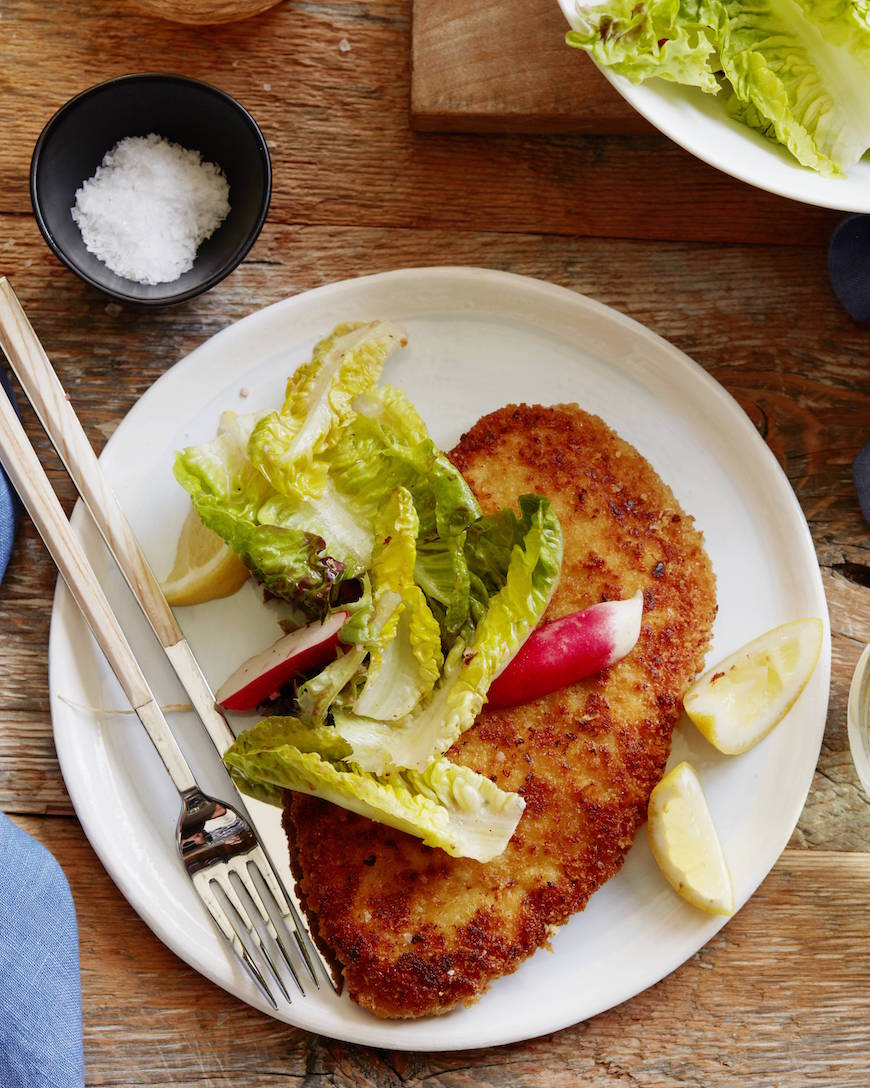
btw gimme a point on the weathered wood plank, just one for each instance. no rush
(780, 998)
(338, 130)
(776, 338)
(501, 66)
(30, 778)
(772, 1007)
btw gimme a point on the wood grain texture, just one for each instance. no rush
(202, 11)
(779, 999)
(53, 406)
(774, 336)
(24, 470)
(503, 66)
(734, 277)
(337, 127)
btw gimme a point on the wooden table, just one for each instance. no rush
(734, 277)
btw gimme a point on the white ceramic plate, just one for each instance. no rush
(698, 122)
(478, 340)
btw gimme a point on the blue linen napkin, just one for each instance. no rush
(861, 474)
(849, 271)
(40, 988)
(849, 265)
(8, 503)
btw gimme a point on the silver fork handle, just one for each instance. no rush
(157, 728)
(30, 481)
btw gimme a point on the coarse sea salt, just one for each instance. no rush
(148, 208)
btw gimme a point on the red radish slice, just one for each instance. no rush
(265, 674)
(569, 649)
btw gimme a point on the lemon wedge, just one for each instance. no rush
(685, 844)
(741, 699)
(205, 567)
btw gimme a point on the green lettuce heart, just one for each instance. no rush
(446, 805)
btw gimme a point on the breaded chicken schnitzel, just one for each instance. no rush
(416, 932)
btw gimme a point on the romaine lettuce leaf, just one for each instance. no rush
(446, 805)
(316, 696)
(799, 70)
(441, 571)
(220, 470)
(289, 563)
(320, 470)
(387, 446)
(286, 446)
(671, 39)
(228, 494)
(406, 657)
(330, 515)
(299, 550)
(512, 614)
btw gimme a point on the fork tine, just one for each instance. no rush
(239, 866)
(245, 917)
(287, 908)
(279, 937)
(255, 973)
(225, 925)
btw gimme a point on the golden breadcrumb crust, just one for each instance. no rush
(416, 932)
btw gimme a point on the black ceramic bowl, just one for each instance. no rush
(190, 113)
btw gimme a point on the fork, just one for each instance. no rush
(214, 840)
(59, 420)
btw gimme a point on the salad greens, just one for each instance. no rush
(302, 494)
(796, 70)
(284, 445)
(341, 498)
(405, 658)
(532, 570)
(445, 805)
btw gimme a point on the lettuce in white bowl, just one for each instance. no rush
(796, 70)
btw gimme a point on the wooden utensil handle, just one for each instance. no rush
(52, 406)
(29, 480)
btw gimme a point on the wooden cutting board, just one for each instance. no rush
(503, 66)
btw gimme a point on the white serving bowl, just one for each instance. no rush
(858, 718)
(698, 122)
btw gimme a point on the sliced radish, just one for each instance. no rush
(266, 673)
(569, 649)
